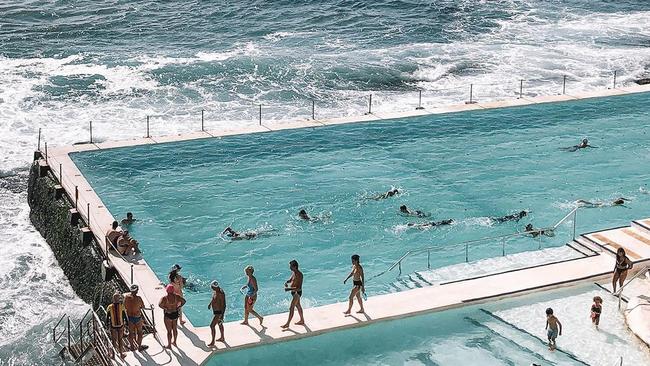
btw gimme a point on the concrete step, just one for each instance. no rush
(642, 225)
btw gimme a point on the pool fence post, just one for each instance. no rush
(260, 114)
(564, 85)
(313, 109)
(614, 79)
(39, 139)
(68, 332)
(131, 274)
(46, 152)
(148, 136)
(81, 333)
(419, 107)
(575, 214)
(202, 123)
(76, 196)
(521, 88)
(471, 94)
(91, 131)
(370, 105)
(466, 253)
(60, 174)
(428, 259)
(88, 214)
(503, 248)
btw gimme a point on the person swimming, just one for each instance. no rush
(620, 201)
(582, 145)
(390, 193)
(429, 225)
(533, 232)
(407, 211)
(302, 214)
(233, 235)
(514, 217)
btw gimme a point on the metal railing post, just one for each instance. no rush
(202, 123)
(91, 131)
(428, 259)
(76, 196)
(260, 114)
(564, 85)
(81, 334)
(575, 214)
(370, 105)
(61, 174)
(419, 100)
(148, 136)
(521, 88)
(88, 214)
(313, 109)
(614, 79)
(153, 319)
(39, 139)
(68, 332)
(46, 152)
(471, 93)
(466, 253)
(132, 274)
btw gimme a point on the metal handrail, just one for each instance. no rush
(619, 293)
(468, 243)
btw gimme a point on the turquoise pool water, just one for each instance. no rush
(507, 333)
(466, 166)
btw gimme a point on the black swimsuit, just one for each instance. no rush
(621, 266)
(357, 283)
(173, 315)
(294, 292)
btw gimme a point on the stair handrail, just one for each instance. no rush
(398, 263)
(102, 339)
(619, 293)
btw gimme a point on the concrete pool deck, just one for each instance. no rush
(192, 340)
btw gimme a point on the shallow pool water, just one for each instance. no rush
(465, 166)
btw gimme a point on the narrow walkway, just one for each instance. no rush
(192, 349)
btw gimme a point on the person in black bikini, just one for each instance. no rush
(358, 281)
(294, 284)
(623, 264)
(218, 306)
(171, 305)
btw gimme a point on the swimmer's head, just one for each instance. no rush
(176, 267)
(585, 141)
(293, 264)
(303, 214)
(529, 227)
(523, 213)
(355, 258)
(115, 225)
(249, 270)
(403, 208)
(129, 215)
(549, 312)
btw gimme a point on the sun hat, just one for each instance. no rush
(134, 288)
(176, 267)
(214, 284)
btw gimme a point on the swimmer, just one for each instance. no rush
(643, 190)
(388, 194)
(582, 145)
(303, 215)
(429, 225)
(407, 211)
(530, 230)
(233, 235)
(514, 217)
(129, 219)
(617, 202)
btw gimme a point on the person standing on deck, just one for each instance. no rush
(623, 264)
(178, 282)
(294, 284)
(134, 306)
(250, 296)
(553, 329)
(171, 305)
(115, 319)
(358, 280)
(218, 306)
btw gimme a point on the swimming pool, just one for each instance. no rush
(465, 166)
(509, 332)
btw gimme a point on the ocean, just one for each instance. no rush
(66, 63)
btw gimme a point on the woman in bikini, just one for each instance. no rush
(251, 296)
(623, 264)
(358, 281)
(171, 305)
(178, 282)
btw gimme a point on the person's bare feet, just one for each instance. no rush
(261, 320)
(285, 326)
(221, 340)
(245, 322)
(361, 311)
(301, 322)
(182, 322)
(347, 312)
(169, 346)
(211, 344)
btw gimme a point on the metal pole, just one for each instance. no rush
(503, 248)
(81, 333)
(91, 132)
(370, 104)
(39, 139)
(46, 151)
(313, 109)
(399, 266)
(614, 79)
(429, 259)
(575, 213)
(88, 213)
(466, 253)
(471, 92)
(564, 84)
(76, 196)
(419, 100)
(132, 274)
(260, 114)
(202, 124)
(60, 175)
(521, 88)
(68, 333)
(148, 127)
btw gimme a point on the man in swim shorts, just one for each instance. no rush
(553, 329)
(134, 306)
(294, 284)
(115, 319)
(218, 306)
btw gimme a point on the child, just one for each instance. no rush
(596, 310)
(552, 324)
(218, 306)
(358, 284)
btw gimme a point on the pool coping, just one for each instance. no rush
(191, 352)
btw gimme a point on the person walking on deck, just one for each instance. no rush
(134, 306)
(358, 281)
(553, 329)
(115, 319)
(623, 264)
(250, 296)
(178, 282)
(171, 305)
(596, 310)
(294, 284)
(218, 306)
